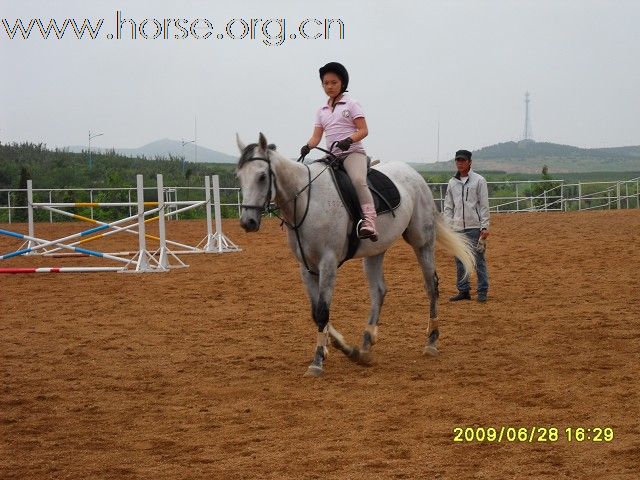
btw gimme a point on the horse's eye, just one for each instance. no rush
(262, 177)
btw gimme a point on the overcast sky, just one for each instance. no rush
(465, 64)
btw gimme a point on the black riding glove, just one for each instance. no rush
(344, 144)
(304, 151)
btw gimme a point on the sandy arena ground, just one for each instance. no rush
(197, 374)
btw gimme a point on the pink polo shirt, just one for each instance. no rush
(339, 123)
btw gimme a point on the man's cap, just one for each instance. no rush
(463, 155)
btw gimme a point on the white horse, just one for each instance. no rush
(318, 226)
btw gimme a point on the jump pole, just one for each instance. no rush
(40, 244)
(43, 244)
(218, 242)
(188, 206)
(128, 228)
(60, 270)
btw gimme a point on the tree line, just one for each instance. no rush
(62, 169)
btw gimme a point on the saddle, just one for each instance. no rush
(385, 195)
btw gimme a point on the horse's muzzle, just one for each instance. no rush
(249, 224)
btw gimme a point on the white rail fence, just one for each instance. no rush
(504, 196)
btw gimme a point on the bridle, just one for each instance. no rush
(273, 192)
(271, 195)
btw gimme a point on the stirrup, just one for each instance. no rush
(371, 236)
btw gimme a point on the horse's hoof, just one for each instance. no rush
(430, 351)
(354, 354)
(314, 371)
(365, 357)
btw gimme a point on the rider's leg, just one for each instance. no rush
(356, 166)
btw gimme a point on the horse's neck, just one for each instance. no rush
(291, 178)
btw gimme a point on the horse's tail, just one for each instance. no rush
(456, 244)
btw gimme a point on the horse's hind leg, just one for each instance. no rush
(377, 291)
(426, 259)
(338, 341)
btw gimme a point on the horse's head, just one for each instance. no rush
(257, 181)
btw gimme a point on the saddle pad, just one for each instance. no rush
(384, 192)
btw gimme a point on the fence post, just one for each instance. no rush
(50, 212)
(91, 200)
(618, 194)
(176, 199)
(517, 199)
(626, 195)
(579, 196)
(9, 206)
(30, 208)
(30, 213)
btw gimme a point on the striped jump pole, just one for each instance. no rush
(186, 205)
(61, 241)
(60, 270)
(44, 244)
(129, 228)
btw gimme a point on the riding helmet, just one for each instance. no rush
(339, 70)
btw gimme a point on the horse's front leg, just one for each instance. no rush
(377, 291)
(320, 290)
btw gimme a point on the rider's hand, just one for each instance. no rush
(304, 151)
(344, 144)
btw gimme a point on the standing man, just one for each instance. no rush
(466, 208)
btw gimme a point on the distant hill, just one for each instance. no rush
(165, 148)
(530, 157)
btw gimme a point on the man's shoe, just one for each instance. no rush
(460, 296)
(482, 297)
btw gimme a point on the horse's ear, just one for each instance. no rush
(241, 145)
(262, 142)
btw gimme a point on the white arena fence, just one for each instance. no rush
(141, 260)
(504, 196)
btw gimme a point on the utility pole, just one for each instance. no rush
(92, 135)
(527, 135)
(184, 142)
(438, 151)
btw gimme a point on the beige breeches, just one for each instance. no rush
(356, 166)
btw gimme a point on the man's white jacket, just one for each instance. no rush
(466, 204)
